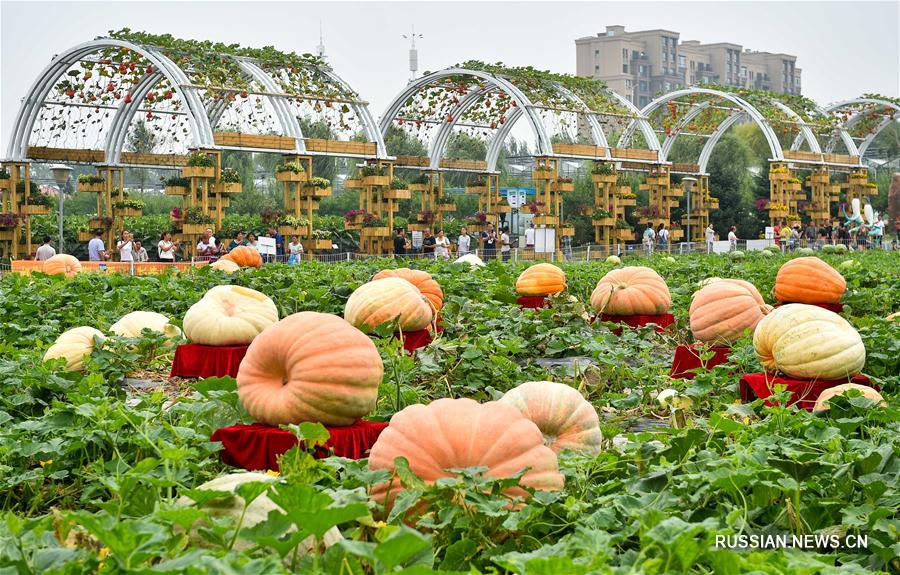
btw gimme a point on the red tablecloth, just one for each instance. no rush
(803, 392)
(194, 360)
(257, 446)
(835, 307)
(413, 340)
(532, 301)
(688, 358)
(662, 320)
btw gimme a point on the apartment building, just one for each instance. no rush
(639, 65)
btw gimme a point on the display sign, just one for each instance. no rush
(417, 240)
(545, 240)
(266, 246)
(516, 198)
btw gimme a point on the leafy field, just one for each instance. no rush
(91, 473)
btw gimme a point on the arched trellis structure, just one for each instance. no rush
(139, 100)
(862, 119)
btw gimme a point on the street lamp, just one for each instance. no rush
(688, 184)
(61, 174)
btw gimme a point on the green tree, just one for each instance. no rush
(730, 181)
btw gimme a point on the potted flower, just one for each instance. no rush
(230, 182)
(8, 220)
(5, 182)
(603, 173)
(321, 240)
(354, 218)
(90, 183)
(564, 184)
(177, 186)
(399, 190)
(352, 182)
(602, 217)
(534, 207)
(289, 225)
(199, 165)
(374, 175)
(425, 217)
(446, 204)
(195, 221)
(37, 203)
(128, 208)
(420, 183)
(476, 185)
(290, 172)
(567, 229)
(374, 226)
(543, 173)
(318, 187)
(101, 222)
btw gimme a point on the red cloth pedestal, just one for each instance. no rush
(257, 446)
(804, 392)
(835, 307)
(439, 323)
(195, 360)
(413, 340)
(662, 321)
(533, 301)
(688, 358)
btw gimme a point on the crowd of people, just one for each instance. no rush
(440, 245)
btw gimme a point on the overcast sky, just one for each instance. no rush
(844, 48)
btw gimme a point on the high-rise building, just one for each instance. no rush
(639, 65)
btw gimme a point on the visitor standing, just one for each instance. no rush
(810, 234)
(207, 248)
(663, 234)
(166, 248)
(400, 243)
(96, 247)
(45, 251)
(279, 245)
(428, 245)
(295, 249)
(125, 247)
(140, 252)
(239, 239)
(795, 237)
(489, 242)
(785, 235)
(442, 245)
(710, 238)
(529, 236)
(732, 239)
(505, 247)
(843, 235)
(251, 241)
(463, 242)
(649, 239)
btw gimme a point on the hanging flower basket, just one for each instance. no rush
(100, 223)
(375, 232)
(567, 231)
(476, 189)
(288, 231)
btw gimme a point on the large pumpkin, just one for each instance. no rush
(223, 265)
(310, 366)
(244, 256)
(256, 512)
(808, 280)
(422, 280)
(74, 345)
(634, 290)
(459, 433)
(388, 299)
(566, 419)
(131, 324)
(61, 264)
(808, 342)
(723, 310)
(830, 393)
(541, 279)
(229, 315)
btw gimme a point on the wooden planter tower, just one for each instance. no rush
(662, 198)
(431, 212)
(377, 199)
(11, 201)
(701, 203)
(822, 194)
(612, 198)
(785, 193)
(490, 202)
(301, 200)
(857, 186)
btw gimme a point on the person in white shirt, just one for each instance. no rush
(295, 250)
(96, 248)
(166, 248)
(505, 248)
(207, 246)
(649, 239)
(732, 239)
(441, 245)
(710, 237)
(529, 236)
(252, 242)
(46, 251)
(125, 247)
(662, 235)
(464, 242)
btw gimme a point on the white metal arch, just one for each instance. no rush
(751, 112)
(867, 141)
(711, 142)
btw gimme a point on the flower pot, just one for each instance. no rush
(379, 232)
(313, 245)
(127, 212)
(314, 192)
(624, 235)
(90, 188)
(177, 190)
(627, 201)
(229, 188)
(418, 187)
(198, 172)
(543, 174)
(610, 221)
(376, 181)
(288, 176)
(352, 184)
(565, 186)
(288, 231)
(545, 220)
(390, 194)
(476, 189)
(567, 231)
(35, 210)
(603, 178)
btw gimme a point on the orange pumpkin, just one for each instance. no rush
(809, 280)
(634, 290)
(541, 279)
(61, 264)
(566, 419)
(422, 280)
(460, 433)
(310, 366)
(244, 256)
(723, 310)
(388, 299)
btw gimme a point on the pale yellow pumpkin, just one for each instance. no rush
(131, 324)
(832, 392)
(388, 299)
(229, 315)
(227, 266)
(809, 342)
(74, 345)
